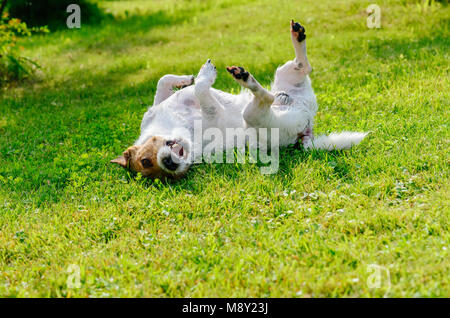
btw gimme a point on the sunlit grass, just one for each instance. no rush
(312, 229)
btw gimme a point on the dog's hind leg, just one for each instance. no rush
(257, 113)
(168, 83)
(209, 105)
(293, 73)
(298, 38)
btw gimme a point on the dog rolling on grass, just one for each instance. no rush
(164, 149)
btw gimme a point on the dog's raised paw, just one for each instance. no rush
(238, 72)
(298, 31)
(208, 71)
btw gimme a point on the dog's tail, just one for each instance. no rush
(335, 141)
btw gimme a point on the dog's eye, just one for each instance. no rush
(146, 163)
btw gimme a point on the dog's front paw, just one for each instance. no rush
(238, 72)
(208, 72)
(298, 31)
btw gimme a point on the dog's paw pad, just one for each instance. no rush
(298, 31)
(238, 72)
(186, 82)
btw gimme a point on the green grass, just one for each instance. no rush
(226, 230)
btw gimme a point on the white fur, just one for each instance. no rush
(290, 106)
(335, 141)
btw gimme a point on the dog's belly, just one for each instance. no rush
(182, 110)
(185, 104)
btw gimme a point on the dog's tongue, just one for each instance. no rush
(178, 149)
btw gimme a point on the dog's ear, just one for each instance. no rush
(125, 159)
(121, 160)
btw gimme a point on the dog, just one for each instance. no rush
(165, 146)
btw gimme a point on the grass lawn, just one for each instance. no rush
(312, 230)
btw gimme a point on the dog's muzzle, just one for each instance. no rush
(169, 164)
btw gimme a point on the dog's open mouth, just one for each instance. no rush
(176, 148)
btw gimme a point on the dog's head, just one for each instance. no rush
(158, 157)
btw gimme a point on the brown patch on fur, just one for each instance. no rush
(304, 136)
(143, 158)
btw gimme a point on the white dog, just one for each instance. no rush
(166, 143)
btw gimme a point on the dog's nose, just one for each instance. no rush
(169, 164)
